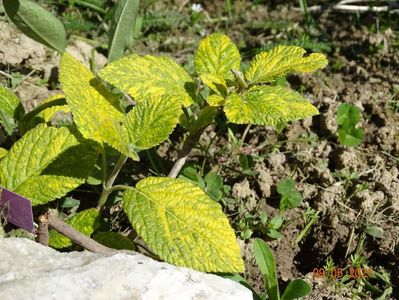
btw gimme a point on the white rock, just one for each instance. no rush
(29, 270)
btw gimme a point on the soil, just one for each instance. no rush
(363, 70)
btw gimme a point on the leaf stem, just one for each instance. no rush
(117, 168)
(107, 185)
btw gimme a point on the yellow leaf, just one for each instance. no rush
(267, 105)
(149, 77)
(217, 55)
(183, 225)
(281, 60)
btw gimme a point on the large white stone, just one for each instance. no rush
(29, 270)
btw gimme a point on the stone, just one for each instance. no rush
(29, 270)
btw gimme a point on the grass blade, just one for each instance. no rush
(122, 28)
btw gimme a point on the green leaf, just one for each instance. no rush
(291, 200)
(285, 186)
(206, 117)
(274, 234)
(93, 107)
(9, 103)
(10, 110)
(267, 105)
(281, 60)
(214, 185)
(347, 115)
(267, 265)
(85, 221)
(182, 225)
(122, 28)
(7, 122)
(150, 122)
(114, 240)
(37, 23)
(276, 222)
(297, 288)
(46, 163)
(375, 231)
(217, 55)
(149, 77)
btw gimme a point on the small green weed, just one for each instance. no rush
(347, 118)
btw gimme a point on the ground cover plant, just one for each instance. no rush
(321, 192)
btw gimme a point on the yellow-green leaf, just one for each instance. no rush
(44, 112)
(48, 113)
(215, 83)
(150, 122)
(216, 55)
(93, 107)
(85, 222)
(9, 103)
(3, 152)
(267, 105)
(281, 60)
(215, 100)
(45, 164)
(149, 77)
(10, 110)
(146, 125)
(183, 225)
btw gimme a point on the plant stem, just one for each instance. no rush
(188, 145)
(307, 227)
(107, 185)
(76, 236)
(244, 135)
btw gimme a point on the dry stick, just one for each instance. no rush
(76, 236)
(189, 144)
(344, 6)
(42, 232)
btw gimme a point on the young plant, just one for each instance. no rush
(297, 288)
(177, 220)
(290, 197)
(347, 118)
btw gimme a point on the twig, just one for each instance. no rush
(42, 232)
(347, 6)
(189, 144)
(74, 235)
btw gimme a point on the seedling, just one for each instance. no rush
(179, 221)
(311, 216)
(347, 118)
(296, 288)
(290, 197)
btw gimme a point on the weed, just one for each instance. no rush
(347, 118)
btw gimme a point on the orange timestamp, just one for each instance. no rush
(352, 272)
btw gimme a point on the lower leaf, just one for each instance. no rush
(183, 225)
